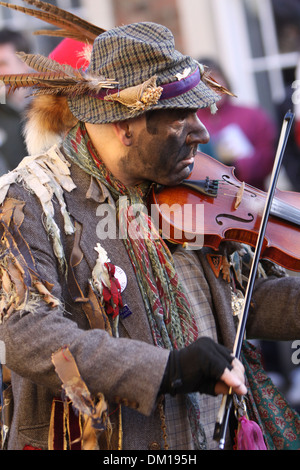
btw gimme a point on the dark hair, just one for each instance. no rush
(17, 39)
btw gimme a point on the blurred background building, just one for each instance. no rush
(257, 44)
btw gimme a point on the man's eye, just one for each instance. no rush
(181, 115)
(184, 113)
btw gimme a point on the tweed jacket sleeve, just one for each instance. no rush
(276, 306)
(126, 367)
(276, 312)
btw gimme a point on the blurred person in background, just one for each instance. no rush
(12, 146)
(240, 136)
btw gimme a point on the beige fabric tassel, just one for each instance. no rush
(76, 390)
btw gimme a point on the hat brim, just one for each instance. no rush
(97, 111)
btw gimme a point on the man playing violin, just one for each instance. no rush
(137, 335)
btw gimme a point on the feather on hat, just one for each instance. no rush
(67, 24)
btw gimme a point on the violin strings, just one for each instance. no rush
(232, 189)
(229, 191)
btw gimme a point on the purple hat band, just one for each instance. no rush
(170, 90)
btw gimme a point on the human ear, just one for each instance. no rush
(123, 133)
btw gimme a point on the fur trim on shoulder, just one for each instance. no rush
(48, 118)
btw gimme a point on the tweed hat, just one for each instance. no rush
(149, 71)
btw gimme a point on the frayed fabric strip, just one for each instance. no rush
(45, 176)
(21, 287)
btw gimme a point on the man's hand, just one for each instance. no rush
(205, 367)
(232, 378)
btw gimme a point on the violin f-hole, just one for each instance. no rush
(233, 217)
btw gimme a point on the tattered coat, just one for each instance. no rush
(126, 370)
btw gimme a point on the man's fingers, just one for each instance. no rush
(233, 378)
(236, 364)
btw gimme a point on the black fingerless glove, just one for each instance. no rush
(196, 368)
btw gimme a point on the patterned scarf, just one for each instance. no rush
(170, 318)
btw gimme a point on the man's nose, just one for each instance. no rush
(198, 133)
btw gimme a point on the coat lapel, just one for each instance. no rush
(84, 203)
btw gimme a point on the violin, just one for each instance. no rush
(212, 205)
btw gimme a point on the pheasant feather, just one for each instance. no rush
(41, 63)
(42, 79)
(62, 33)
(70, 17)
(70, 25)
(61, 81)
(214, 85)
(54, 78)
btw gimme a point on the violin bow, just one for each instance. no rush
(224, 411)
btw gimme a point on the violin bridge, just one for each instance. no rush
(239, 196)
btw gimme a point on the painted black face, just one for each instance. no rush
(166, 146)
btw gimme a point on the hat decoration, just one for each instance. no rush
(53, 78)
(137, 97)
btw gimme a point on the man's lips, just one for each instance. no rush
(184, 169)
(189, 160)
